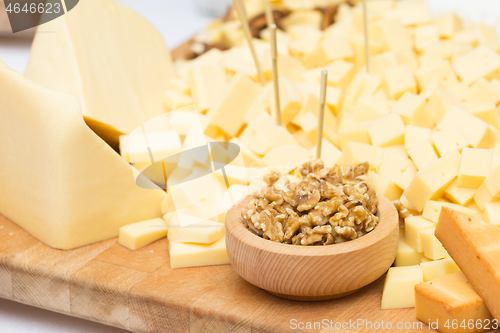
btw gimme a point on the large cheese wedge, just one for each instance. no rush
(475, 246)
(58, 179)
(108, 56)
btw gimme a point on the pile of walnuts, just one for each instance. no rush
(328, 206)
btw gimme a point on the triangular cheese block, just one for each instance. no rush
(110, 57)
(475, 246)
(58, 179)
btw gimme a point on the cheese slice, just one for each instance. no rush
(108, 56)
(59, 180)
(206, 231)
(137, 235)
(475, 246)
(448, 301)
(193, 255)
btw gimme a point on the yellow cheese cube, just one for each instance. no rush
(475, 167)
(329, 153)
(290, 100)
(256, 185)
(482, 196)
(414, 225)
(442, 71)
(380, 62)
(261, 103)
(167, 205)
(137, 235)
(332, 94)
(413, 110)
(193, 255)
(398, 287)
(340, 73)
(438, 268)
(460, 195)
(488, 113)
(433, 208)
(480, 62)
(207, 84)
(407, 255)
(482, 92)
(398, 80)
(492, 182)
(337, 47)
(448, 24)
(431, 181)
(440, 102)
(413, 13)
(150, 147)
(286, 158)
(450, 299)
(256, 135)
(289, 67)
(387, 130)
(426, 35)
(476, 131)
(449, 140)
(400, 149)
(385, 187)
(238, 60)
(249, 157)
(206, 231)
(487, 35)
(393, 34)
(398, 168)
(492, 213)
(354, 132)
(173, 99)
(240, 95)
(355, 153)
(309, 125)
(415, 135)
(423, 154)
(361, 84)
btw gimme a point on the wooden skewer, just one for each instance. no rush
(321, 114)
(242, 13)
(274, 55)
(269, 13)
(367, 49)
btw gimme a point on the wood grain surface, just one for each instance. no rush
(138, 291)
(313, 273)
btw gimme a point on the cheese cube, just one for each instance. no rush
(423, 154)
(398, 168)
(426, 35)
(256, 185)
(482, 92)
(207, 84)
(398, 80)
(193, 255)
(387, 130)
(431, 181)
(380, 62)
(137, 235)
(407, 255)
(476, 131)
(449, 140)
(475, 167)
(309, 125)
(173, 100)
(369, 108)
(286, 158)
(413, 13)
(448, 24)
(393, 34)
(337, 47)
(441, 71)
(329, 153)
(480, 62)
(183, 119)
(254, 136)
(460, 195)
(433, 209)
(474, 246)
(415, 135)
(451, 299)
(167, 205)
(340, 73)
(492, 213)
(249, 157)
(240, 95)
(238, 60)
(354, 132)
(414, 225)
(355, 153)
(438, 268)
(332, 94)
(488, 113)
(413, 110)
(482, 196)
(440, 102)
(289, 68)
(151, 147)
(385, 186)
(205, 231)
(399, 149)
(492, 182)
(398, 287)
(290, 100)
(261, 103)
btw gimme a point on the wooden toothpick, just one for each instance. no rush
(274, 56)
(269, 13)
(242, 13)
(321, 114)
(367, 49)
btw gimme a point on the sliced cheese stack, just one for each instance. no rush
(108, 56)
(65, 193)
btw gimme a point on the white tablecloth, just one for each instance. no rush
(177, 20)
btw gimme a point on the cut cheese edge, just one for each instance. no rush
(194, 255)
(136, 235)
(59, 180)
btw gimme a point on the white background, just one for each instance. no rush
(177, 21)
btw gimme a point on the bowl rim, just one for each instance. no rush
(388, 217)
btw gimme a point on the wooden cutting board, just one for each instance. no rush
(138, 291)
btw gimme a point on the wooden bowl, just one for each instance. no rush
(312, 273)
